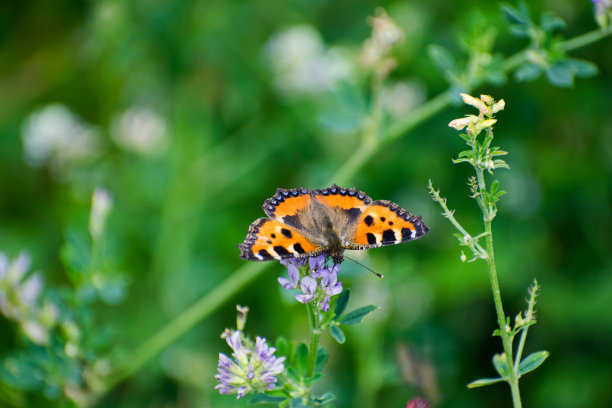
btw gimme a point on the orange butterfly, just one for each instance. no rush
(306, 223)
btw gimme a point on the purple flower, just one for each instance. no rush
(603, 12)
(294, 278)
(293, 261)
(251, 368)
(308, 286)
(329, 281)
(316, 263)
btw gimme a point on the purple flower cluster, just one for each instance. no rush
(251, 368)
(319, 281)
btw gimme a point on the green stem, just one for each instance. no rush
(501, 317)
(189, 318)
(528, 316)
(315, 333)
(585, 39)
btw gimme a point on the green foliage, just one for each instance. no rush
(224, 123)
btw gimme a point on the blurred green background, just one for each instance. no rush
(191, 113)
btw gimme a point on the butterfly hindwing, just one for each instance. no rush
(386, 223)
(269, 239)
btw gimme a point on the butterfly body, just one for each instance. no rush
(306, 223)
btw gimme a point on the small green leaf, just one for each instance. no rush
(483, 382)
(282, 346)
(443, 59)
(315, 377)
(302, 358)
(582, 68)
(293, 374)
(357, 315)
(521, 31)
(322, 357)
(515, 16)
(561, 74)
(324, 399)
(494, 187)
(265, 399)
(532, 361)
(549, 22)
(342, 302)
(337, 334)
(527, 72)
(297, 402)
(500, 362)
(500, 164)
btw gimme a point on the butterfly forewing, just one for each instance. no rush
(286, 205)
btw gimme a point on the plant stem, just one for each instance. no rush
(315, 333)
(501, 317)
(189, 318)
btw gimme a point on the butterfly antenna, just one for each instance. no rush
(359, 263)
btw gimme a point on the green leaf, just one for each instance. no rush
(500, 362)
(496, 76)
(342, 302)
(483, 382)
(500, 164)
(515, 16)
(494, 187)
(294, 375)
(550, 22)
(532, 361)
(527, 72)
(561, 74)
(266, 399)
(282, 346)
(582, 68)
(297, 402)
(315, 377)
(22, 371)
(302, 359)
(443, 60)
(337, 334)
(324, 399)
(322, 357)
(357, 315)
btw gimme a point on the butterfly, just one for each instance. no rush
(306, 223)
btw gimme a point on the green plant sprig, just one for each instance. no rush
(484, 158)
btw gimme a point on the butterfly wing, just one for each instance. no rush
(386, 223)
(288, 206)
(269, 239)
(344, 198)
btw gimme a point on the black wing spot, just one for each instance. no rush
(388, 236)
(390, 222)
(406, 234)
(298, 248)
(383, 219)
(281, 251)
(265, 254)
(371, 238)
(286, 232)
(273, 236)
(368, 220)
